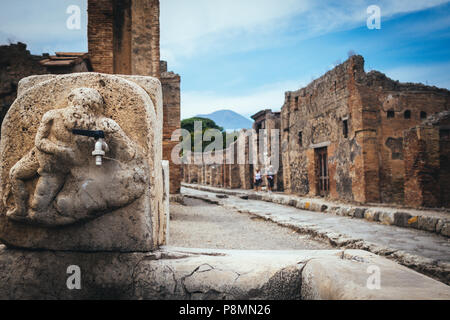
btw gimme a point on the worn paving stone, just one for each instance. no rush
(432, 220)
(431, 249)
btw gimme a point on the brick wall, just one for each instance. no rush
(16, 63)
(368, 163)
(171, 113)
(100, 35)
(123, 36)
(426, 150)
(145, 41)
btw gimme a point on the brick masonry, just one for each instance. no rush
(17, 63)
(427, 162)
(171, 114)
(360, 118)
(123, 36)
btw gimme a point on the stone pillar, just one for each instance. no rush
(171, 105)
(101, 35)
(123, 36)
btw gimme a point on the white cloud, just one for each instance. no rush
(269, 96)
(190, 27)
(203, 26)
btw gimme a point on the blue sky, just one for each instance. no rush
(244, 54)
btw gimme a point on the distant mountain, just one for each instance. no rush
(228, 119)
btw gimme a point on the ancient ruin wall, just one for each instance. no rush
(123, 36)
(101, 35)
(171, 111)
(313, 117)
(16, 63)
(426, 150)
(390, 108)
(367, 163)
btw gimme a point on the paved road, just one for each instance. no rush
(412, 241)
(198, 224)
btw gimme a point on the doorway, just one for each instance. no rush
(322, 171)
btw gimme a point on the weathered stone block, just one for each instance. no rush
(349, 278)
(444, 228)
(177, 273)
(371, 215)
(359, 213)
(387, 217)
(401, 219)
(55, 195)
(427, 223)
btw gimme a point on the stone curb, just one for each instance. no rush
(436, 269)
(388, 216)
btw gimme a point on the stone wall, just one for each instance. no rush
(396, 107)
(312, 118)
(426, 152)
(101, 35)
(266, 122)
(171, 110)
(16, 63)
(233, 170)
(360, 119)
(123, 36)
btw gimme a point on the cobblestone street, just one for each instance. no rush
(198, 224)
(423, 251)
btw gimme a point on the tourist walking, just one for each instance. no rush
(258, 180)
(270, 176)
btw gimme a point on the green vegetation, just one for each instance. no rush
(188, 124)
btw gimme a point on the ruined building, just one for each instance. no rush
(427, 162)
(355, 136)
(228, 168)
(16, 63)
(266, 122)
(343, 136)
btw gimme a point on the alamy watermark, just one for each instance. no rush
(74, 280)
(374, 19)
(73, 22)
(374, 280)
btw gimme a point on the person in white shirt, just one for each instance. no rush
(258, 180)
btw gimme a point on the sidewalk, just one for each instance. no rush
(420, 250)
(428, 220)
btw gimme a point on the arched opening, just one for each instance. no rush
(407, 114)
(423, 115)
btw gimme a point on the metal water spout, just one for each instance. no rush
(99, 151)
(100, 145)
